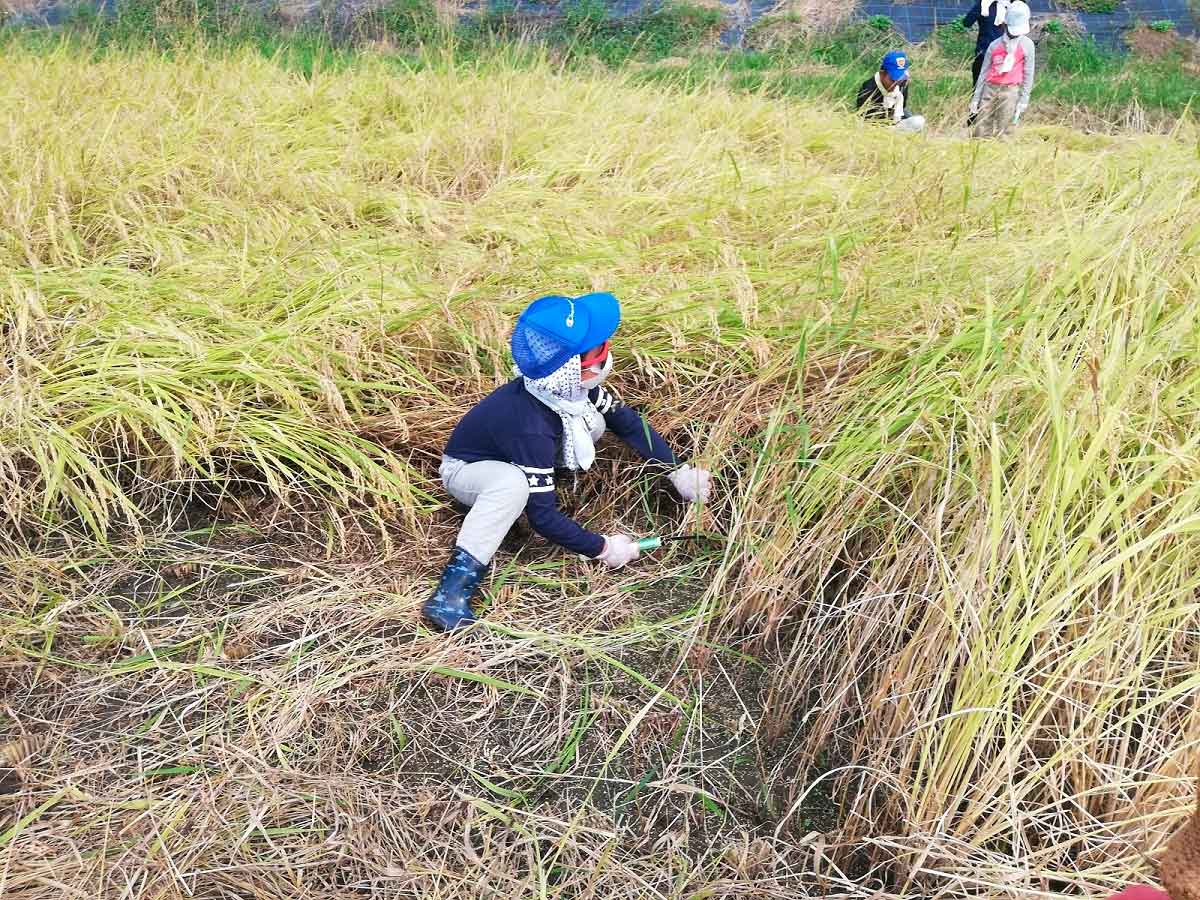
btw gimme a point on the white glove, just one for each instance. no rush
(619, 550)
(1017, 116)
(973, 109)
(693, 485)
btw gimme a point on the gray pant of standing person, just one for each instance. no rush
(496, 493)
(997, 107)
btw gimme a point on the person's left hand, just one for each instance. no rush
(693, 485)
(1017, 117)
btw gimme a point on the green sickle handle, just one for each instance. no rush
(646, 544)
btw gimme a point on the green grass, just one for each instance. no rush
(1073, 74)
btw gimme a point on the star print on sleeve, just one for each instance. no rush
(540, 480)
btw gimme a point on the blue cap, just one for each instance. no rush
(895, 64)
(553, 329)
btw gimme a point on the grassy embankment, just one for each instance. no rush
(1078, 81)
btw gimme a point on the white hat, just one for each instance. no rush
(1017, 18)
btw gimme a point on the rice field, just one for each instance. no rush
(946, 647)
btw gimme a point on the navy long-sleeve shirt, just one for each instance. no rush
(511, 425)
(988, 29)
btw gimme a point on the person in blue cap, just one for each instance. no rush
(884, 96)
(501, 457)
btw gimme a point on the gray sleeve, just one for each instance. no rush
(1030, 65)
(983, 71)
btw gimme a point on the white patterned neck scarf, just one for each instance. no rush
(562, 391)
(1010, 53)
(892, 100)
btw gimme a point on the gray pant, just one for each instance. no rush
(496, 492)
(997, 106)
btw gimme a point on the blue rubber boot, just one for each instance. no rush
(450, 606)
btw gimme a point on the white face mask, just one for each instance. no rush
(591, 379)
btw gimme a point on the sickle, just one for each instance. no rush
(647, 544)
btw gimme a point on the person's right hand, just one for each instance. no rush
(973, 110)
(619, 550)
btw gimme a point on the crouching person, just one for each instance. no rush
(501, 457)
(884, 96)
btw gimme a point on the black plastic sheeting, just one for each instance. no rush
(916, 20)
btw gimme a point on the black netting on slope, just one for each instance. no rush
(916, 20)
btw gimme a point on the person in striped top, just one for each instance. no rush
(502, 456)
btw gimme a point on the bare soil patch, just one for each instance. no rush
(1150, 44)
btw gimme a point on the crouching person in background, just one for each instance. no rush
(501, 457)
(884, 96)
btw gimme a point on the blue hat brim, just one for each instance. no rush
(604, 315)
(575, 323)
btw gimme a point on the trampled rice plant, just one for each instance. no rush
(949, 390)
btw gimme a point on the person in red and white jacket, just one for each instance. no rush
(1006, 78)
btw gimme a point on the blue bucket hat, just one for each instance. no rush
(553, 329)
(895, 64)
